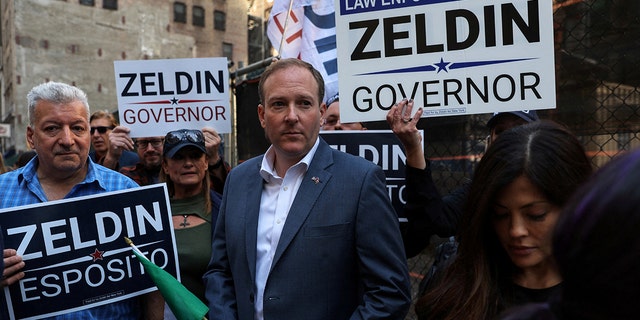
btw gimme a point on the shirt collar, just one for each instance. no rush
(91, 174)
(29, 171)
(268, 172)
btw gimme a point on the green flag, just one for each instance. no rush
(184, 304)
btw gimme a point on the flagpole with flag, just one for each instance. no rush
(306, 30)
(184, 304)
(286, 22)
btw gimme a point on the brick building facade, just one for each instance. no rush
(76, 41)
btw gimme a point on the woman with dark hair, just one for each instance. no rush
(193, 205)
(597, 249)
(504, 255)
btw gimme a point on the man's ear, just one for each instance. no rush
(261, 115)
(30, 133)
(323, 109)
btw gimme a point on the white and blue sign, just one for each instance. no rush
(75, 254)
(453, 57)
(157, 96)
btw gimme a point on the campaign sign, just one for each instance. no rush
(381, 147)
(75, 254)
(453, 57)
(157, 96)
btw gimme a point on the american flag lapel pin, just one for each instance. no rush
(316, 180)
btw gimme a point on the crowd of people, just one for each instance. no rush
(304, 231)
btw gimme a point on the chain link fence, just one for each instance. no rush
(597, 54)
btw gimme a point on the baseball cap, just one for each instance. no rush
(332, 99)
(526, 115)
(178, 139)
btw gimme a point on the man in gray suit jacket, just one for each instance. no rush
(305, 231)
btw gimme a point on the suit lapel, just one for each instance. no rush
(253, 189)
(310, 189)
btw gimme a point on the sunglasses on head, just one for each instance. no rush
(175, 137)
(101, 129)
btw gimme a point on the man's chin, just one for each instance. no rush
(153, 165)
(67, 163)
(294, 151)
(67, 167)
(152, 161)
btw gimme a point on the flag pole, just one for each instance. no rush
(284, 31)
(167, 283)
(134, 248)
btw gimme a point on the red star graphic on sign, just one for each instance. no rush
(97, 255)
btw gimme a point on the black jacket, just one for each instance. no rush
(428, 212)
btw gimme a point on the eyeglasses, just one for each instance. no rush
(101, 129)
(175, 137)
(143, 144)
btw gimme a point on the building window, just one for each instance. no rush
(110, 4)
(73, 49)
(198, 16)
(90, 3)
(219, 20)
(179, 12)
(227, 51)
(258, 47)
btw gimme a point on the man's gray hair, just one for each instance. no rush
(55, 92)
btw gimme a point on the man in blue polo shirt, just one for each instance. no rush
(59, 133)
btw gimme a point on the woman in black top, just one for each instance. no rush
(504, 256)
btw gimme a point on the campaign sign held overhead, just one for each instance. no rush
(75, 254)
(453, 57)
(157, 96)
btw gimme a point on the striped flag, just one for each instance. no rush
(309, 34)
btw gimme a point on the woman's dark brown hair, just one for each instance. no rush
(555, 162)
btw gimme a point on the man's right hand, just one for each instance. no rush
(12, 265)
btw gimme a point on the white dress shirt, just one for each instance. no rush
(277, 196)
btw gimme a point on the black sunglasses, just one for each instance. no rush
(175, 137)
(101, 129)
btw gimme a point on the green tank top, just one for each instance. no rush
(193, 244)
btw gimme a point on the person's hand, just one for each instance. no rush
(12, 265)
(212, 142)
(119, 139)
(404, 126)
